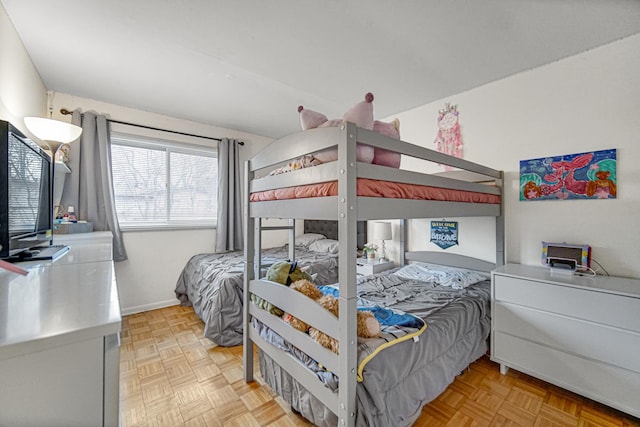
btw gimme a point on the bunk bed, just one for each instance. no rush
(211, 283)
(348, 191)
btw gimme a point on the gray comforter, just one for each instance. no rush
(212, 284)
(402, 378)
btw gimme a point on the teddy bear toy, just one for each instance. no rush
(361, 114)
(368, 325)
(285, 273)
(307, 288)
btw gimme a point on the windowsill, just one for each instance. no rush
(167, 227)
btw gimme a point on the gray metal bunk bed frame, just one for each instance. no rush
(347, 208)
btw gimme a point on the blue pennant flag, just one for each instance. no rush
(444, 233)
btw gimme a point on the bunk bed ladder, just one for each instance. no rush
(254, 266)
(292, 234)
(251, 271)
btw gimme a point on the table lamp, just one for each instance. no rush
(382, 231)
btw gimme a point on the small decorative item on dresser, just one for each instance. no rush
(370, 251)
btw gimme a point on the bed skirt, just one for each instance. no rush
(402, 404)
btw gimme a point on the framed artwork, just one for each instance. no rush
(444, 233)
(590, 175)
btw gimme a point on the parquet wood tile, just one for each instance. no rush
(171, 376)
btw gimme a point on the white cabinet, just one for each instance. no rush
(581, 333)
(85, 247)
(59, 343)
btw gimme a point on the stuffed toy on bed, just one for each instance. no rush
(285, 273)
(381, 156)
(307, 288)
(368, 325)
(361, 114)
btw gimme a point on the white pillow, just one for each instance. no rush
(325, 245)
(417, 272)
(457, 278)
(308, 238)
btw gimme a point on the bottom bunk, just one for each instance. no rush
(212, 284)
(410, 365)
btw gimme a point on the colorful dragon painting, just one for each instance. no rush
(575, 176)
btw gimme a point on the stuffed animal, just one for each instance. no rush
(285, 273)
(368, 325)
(381, 156)
(307, 288)
(361, 114)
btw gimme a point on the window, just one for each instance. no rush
(160, 183)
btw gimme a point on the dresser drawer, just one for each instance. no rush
(614, 346)
(599, 307)
(605, 383)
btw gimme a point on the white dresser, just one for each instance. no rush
(85, 247)
(581, 333)
(59, 341)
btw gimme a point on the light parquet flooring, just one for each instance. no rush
(171, 376)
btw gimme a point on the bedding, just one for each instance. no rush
(457, 278)
(396, 381)
(308, 238)
(325, 245)
(212, 284)
(377, 188)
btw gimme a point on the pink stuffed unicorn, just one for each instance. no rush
(361, 114)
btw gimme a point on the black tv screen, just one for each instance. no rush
(26, 196)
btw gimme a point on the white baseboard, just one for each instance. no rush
(147, 307)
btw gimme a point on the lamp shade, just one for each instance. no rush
(382, 230)
(52, 130)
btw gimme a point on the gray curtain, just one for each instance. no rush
(89, 187)
(229, 229)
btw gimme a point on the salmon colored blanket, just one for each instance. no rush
(375, 188)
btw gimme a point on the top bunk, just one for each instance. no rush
(371, 191)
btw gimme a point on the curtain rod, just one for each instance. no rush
(66, 112)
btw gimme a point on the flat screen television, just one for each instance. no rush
(26, 205)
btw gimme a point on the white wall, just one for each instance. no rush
(22, 92)
(147, 279)
(586, 102)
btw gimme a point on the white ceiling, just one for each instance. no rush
(247, 65)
